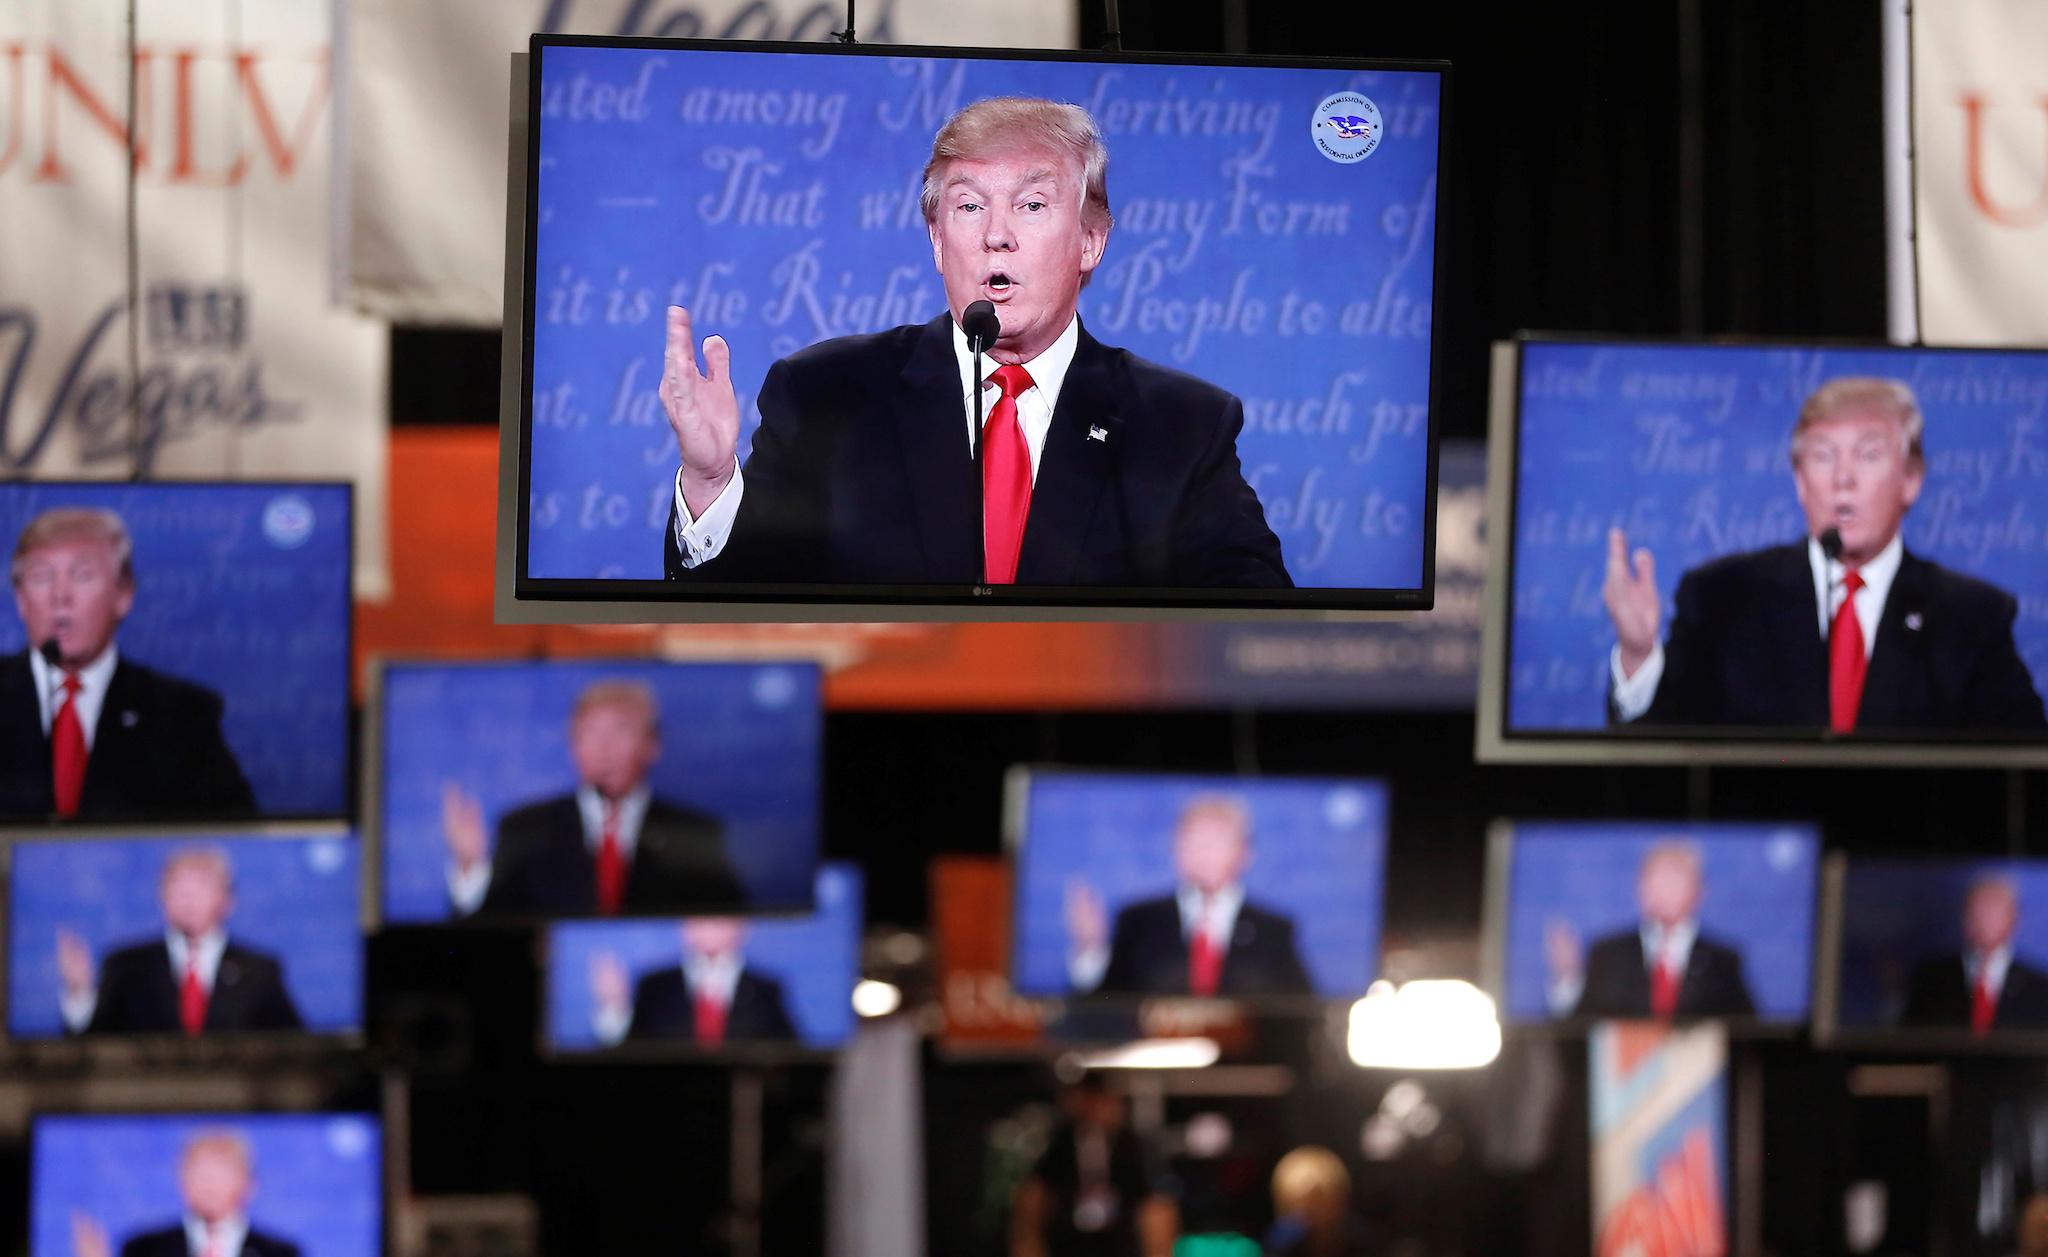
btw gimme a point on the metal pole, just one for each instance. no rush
(749, 1087)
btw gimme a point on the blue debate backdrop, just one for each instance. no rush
(1688, 449)
(1899, 913)
(816, 958)
(295, 898)
(1318, 856)
(1760, 885)
(776, 197)
(741, 741)
(318, 1178)
(242, 588)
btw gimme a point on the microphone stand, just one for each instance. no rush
(980, 453)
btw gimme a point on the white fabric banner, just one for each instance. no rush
(1980, 131)
(427, 104)
(245, 368)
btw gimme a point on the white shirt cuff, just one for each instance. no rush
(78, 1009)
(1564, 994)
(701, 539)
(467, 890)
(1085, 968)
(610, 1023)
(1633, 695)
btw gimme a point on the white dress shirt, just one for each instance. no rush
(1990, 969)
(1675, 952)
(78, 1009)
(1086, 967)
(702, 539)
(467, 890)
(93, 680)
(1633, 695)
(226, 1236)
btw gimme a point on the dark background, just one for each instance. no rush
(1615, 167)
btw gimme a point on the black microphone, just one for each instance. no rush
(51, 653)
(982, 327)
(1831, 543)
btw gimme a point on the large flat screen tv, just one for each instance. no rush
(508, 791)
(1260, 890)
(1767, 553)
(174, 651)
(1590, 921)
(306, 1183)
(740, 284)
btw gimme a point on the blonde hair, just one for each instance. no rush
(1223, 807)
(212, 859)
(226, 1143)
(1009, 123)
(1858, 392)
(65, 523)
(618, 694)
(1677, 850)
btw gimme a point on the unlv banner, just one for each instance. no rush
(234, 363)
(429, 105)
(1979, 81)
(1660, 1140)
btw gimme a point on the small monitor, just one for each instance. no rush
(703, 986)
(501, 786)
(1767, 553)
(745, 282)
(174, 651)
(275, 1184)
(1676, 921)
(1253, 889)
(1944, 953)
(199, 936)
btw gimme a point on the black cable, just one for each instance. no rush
(846, 36)
(1113, 35)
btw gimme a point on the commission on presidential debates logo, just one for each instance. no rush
(288, 521)
(1346, 127)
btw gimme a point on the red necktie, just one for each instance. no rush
(1983, 1006)
(710, 1019)
(1005, 479)
(611, 863)
(192, 1001)
(67, 749)
(1846, 662)
(1205, 961)
(1663, 988)
(212, 1248)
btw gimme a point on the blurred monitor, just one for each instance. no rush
(1684, 526)
(174, 651)
(1951, 952)
(501, 786)
(1224, 887)
(1605, 920)
(1241, 416)
(197, 936)
(302, 1185)
(709, 986)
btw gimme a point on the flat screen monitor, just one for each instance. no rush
(1624, 920)
(1690, 531)
(1947, 953)
(1252, 889)
(740, 278)
(206, 626)
(307, 1183)
(198, 936)
(709, 987)
(500, 783)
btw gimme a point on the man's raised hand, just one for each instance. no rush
(1630, 592)
(702, 410)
